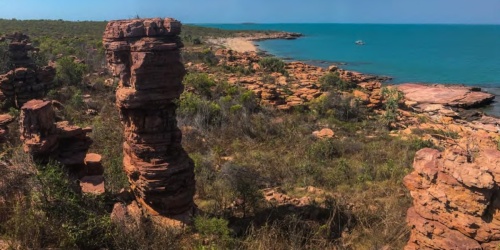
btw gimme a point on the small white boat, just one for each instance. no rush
(360, 42)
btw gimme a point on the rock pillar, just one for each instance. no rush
(25, 81)
(145, 55)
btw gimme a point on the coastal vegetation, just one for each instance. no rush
(242, 151)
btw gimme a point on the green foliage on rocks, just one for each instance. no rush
(273, 64)
(392, 98)
(70, 72)
(332, 81)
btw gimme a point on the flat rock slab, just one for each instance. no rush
(450, 95)
(93, 184)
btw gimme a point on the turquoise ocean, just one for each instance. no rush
(448, 54)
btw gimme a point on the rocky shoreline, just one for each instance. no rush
(453, 189)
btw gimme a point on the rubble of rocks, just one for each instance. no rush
(44, 138)
(299, 87)
(145, 55)
(25, 81)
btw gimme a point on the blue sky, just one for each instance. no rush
(261, 11)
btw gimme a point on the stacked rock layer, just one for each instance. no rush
(145, 55)
(25, 81)
(45, 139)
(456, 202)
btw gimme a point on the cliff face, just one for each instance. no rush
(145, 55)
(456, 202)
(25, 81)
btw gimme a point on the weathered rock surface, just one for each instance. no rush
(449, 95)
(5, 119)
(38, 128)
(45, 138)
(92, 184)
(25, 81)
(93, 165)
(144, 54)
(456, 202)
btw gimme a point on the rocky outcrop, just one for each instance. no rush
(25, 81)
(456, 199)
(449, 95)
(44, 138)
(272, 36)
(299, 86)
(145, 55)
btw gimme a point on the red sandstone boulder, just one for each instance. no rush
(93, 184)
(37, 125)
(93, 165)
(450, 95)
(324, 133)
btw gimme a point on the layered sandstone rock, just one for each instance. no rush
(456, 202)
(25, 81)
(144, 54)
(45, 138)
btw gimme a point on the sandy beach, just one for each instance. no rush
(238, 44)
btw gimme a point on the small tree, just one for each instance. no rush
(70, 72)
(332, 81)
(392, 97)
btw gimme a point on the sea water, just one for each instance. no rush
(449, 54)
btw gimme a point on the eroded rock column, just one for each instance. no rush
(25, 81)
(45, 139)
(145, 55)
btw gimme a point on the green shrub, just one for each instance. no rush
(344, 108)
(206, 56)
(332, 81)
(214, 230)
(54, 214)
(324, 149)
(272, 64)
(243, 182)
(70, 72)
(201, 83)
(239, 69)
(203, 111)
(392, 97)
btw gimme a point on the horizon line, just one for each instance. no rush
(253, 23)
